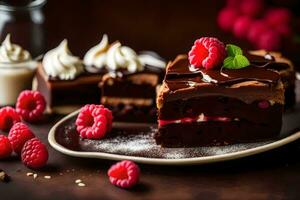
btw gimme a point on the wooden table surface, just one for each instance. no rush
(272, 175)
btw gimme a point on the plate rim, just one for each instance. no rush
(165, 161)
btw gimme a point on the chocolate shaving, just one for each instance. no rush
(3, 176)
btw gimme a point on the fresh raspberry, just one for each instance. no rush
(226, 18)
(252, 8)
(31, 105)
(256, 29)
(278, 16)
(5, 147)
(241, 27)
(8, 117)
(269, 40)
(94, 121)
(34, 154)
(18, 135)
(207, 52)
(124, 174)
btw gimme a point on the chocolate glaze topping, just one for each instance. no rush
(261, 70)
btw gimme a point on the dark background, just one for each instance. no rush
(167, 27)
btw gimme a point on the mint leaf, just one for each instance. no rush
(241, 61)
(236, 62)
(233, 50)
(228, 62)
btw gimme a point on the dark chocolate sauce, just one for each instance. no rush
(264, 70)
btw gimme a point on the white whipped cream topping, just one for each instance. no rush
(148, 59)
(96, 56)
(119, 57)
(61, 63)
(116, 57)
(12, 53)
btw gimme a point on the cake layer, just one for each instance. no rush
(83, 90)
(214, 133)
(258, 111)
(141, 85)
(133, 113)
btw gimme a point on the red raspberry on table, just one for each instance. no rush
(207, 52)
(34, 154)
(5, 147)
(18, 135)
(94, 121)
(8, 117)
(124, 174)
(241, 27)
(252, 8)
(226, 18)
(31, 105)
(269, 40)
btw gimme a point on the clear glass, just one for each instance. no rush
(24, 20)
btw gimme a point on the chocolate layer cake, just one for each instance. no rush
(129, 80)
(202, 107)
(65, 82)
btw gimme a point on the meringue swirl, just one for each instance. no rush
(123, 57)
(12, 53)
(96, 56)
(61, 63)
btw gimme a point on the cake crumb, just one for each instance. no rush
(81, 184)
(78, 181)
(29, 174)
(35, 176)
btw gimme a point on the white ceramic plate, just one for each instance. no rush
(218, 157)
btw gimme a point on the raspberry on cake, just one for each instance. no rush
(94, 121)
(207, 52)
(239, 101)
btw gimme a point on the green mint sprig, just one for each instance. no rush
(235, 59)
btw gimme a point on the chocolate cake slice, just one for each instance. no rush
(65, 81)
(203, 107)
